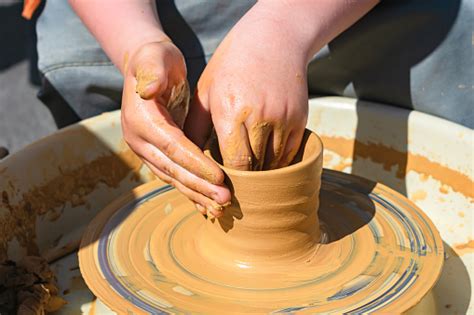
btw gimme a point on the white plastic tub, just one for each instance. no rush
(51, 189)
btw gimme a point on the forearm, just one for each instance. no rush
(308, 24)
(120, 26)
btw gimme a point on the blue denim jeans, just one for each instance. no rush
(411, 54)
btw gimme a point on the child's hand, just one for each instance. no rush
(254, 89)
(154, 106)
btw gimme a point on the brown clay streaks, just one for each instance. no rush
(418, 195)
(72, 186)
(405, 162)
(464, 248)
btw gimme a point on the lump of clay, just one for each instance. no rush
(28, 287)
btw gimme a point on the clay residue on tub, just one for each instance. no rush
(464, 248)
(71, 186)
(418, 195)
(405, 162)
(92, 309)
(424, 177)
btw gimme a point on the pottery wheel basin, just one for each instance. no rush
(52, 189)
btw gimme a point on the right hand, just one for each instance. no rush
(154, 107)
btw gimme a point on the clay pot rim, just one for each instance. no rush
(290, 168)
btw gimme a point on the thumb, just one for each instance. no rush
(152, 80)
(198, 123)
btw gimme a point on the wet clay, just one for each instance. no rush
(28, 287)
(272, 219)
(371, 250)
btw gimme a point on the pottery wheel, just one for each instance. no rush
(140, 255)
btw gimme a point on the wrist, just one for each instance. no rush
(312, 23)
(120, 28)
(290, 23)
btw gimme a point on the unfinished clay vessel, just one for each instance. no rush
(273, 218)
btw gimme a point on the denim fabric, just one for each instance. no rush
(407, 53)
(72, 61)
(412, 54)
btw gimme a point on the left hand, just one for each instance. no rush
(154, 106)
(254, 91)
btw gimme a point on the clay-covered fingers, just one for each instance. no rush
(275, 151)
(163, 133)
(258, 146)
(234, 145)
(157, 67)
(291, 147)
(258, 135)
(194, 174)
(162, 162)
(154, 107)
(152, 134)
(202, 203)
(152, 81)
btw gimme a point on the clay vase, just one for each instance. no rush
(273, 217)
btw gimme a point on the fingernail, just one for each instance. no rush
(210, 215)
(217, 198)
(221, 206)
(216, 210)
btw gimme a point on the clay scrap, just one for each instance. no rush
(28, 287)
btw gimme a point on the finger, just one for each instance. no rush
(291, 147)
(198, 124)
(159, 129)
(161, 175)
(210, 206)
(218, 193)
(275, 148)
(234, 145)
(258, 138)
(178, 102)
(200, 209)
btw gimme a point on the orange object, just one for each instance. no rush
(29, 7)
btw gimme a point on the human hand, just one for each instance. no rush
(154, 106)
(254, 91)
